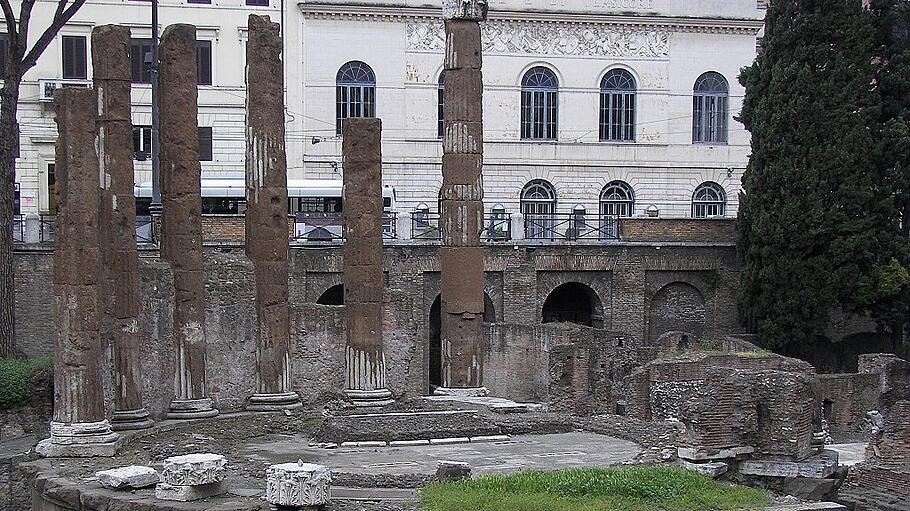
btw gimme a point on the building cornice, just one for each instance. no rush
(312, 10)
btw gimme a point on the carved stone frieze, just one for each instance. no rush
(509, 37)
(194, 469)
(298, 484)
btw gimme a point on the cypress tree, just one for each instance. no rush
(813, 223)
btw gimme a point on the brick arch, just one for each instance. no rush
(332, 296)
(677, 306)
(573, 302)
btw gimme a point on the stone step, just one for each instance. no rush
(402, 426)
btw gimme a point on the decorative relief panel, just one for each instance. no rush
(551, 39)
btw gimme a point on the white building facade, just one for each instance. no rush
(611, 106)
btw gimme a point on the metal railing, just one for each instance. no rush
(329, 227)
(497, 227)
(571, 227)
(18, 229)
(47, 228)
(425, 225)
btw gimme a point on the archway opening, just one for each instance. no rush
(678, 306)
(435, 333)
(572, 302)
(332, 296)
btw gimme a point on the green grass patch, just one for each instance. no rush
(589, 489)
(16, 379)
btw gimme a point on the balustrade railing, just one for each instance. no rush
(571, 227)
(47, 228)
(18, 229)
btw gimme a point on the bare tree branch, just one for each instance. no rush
(61, 17)
(10, 19)
(25, 19)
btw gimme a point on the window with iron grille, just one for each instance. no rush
(74, 58)
(257, 3)
(709, 109)
(205, 143)
(617, 199)
(355, 93)
(538, 205)
(440, 115)
(617, 107)
(709, 200)
(539, 104)
(142, 142)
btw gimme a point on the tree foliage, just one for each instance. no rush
(816, 223)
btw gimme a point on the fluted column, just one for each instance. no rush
(365, 370)
(181, 220)
(267, 214)
(111, 64)
(461, 256)
(79, 426)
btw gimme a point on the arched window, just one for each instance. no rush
(440, 115)
(709, 109)
(355, 92)
(539, 104)
(709, 200)
(538, 205)
(617, 199)
(617, 107)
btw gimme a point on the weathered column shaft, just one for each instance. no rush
(181, 221)
(462, 205)
(365, 371)
(111, 62)
(267, 213)
(79, 427)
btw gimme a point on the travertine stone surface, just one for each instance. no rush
(79, 426)
(193, 469)
(181, 221)
(111, 64)
(365, 371)
(133, 476)
(461, 198)
(266, 214)
(298, 484)
(183, 493)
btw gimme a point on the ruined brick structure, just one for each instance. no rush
(461, 198)
(181, 222)
(266, 214)
(80, 426)
(882, 480)
(110, 60)
(365, 364)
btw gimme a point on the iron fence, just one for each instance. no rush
(329, 227)
(571, 227)
(18, 229)
(145, 230)
(425, 225)
(389, 225)
(47, 224)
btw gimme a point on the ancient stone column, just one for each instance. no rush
(111, 62)
(181, 220)
(267, 214)
(365, 372)
(79, 426)
(461, 256)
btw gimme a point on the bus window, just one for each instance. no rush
(314, 205)
(223, 206)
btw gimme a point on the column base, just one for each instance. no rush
(124, 420)
(462, 392)
(274, 402)
(79, 440)
(370, 398)
(192, 409)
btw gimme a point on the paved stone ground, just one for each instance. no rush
(849, 454)
(549, 452)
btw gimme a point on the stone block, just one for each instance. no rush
(449, 441)
(408, 443)
(452, 471)
(194, 469)
(187, 493)
(298, 484)
(693, 454)
(818, 468)
(712, 469)
(489, 438)
(133, 476)
(465, 89)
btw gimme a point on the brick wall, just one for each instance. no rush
(678, 229)
(847, 397)
(517, 282)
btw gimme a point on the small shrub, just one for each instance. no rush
(16, 379)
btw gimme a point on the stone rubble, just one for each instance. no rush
(131, 477)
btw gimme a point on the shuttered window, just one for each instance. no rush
(139, 69)
(74, 58)
(205, 143)
(204, 62)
